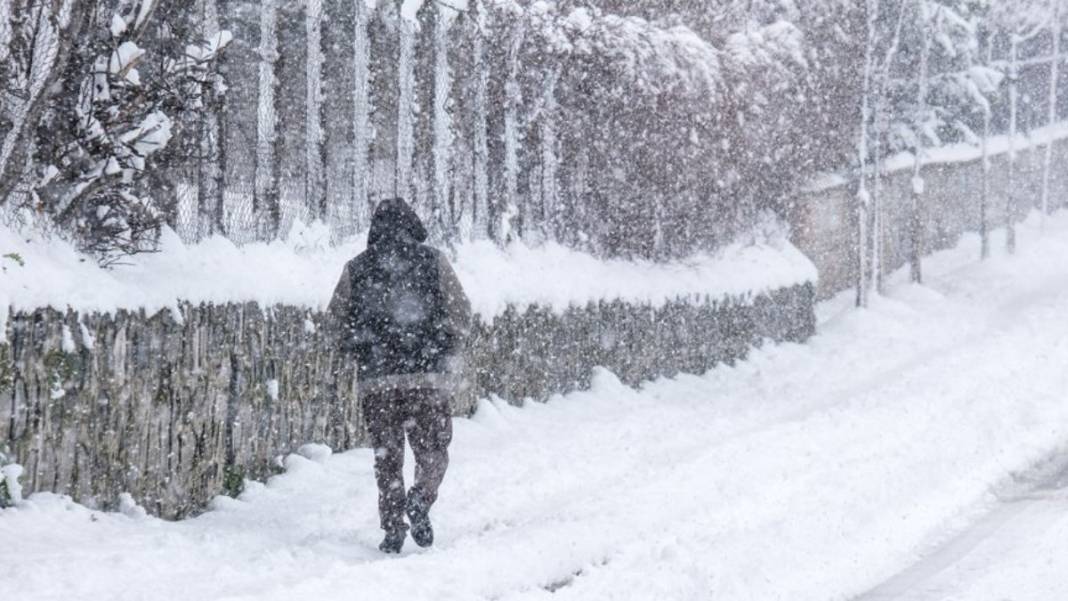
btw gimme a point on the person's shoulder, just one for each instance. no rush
(359, 263)
(433, 254)
(362, 258)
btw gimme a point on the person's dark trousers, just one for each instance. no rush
(423, 415)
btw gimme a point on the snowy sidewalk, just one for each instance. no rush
(809, 472)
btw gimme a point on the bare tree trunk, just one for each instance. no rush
(314, 158)
(266, 200)
(406, 103)
(442, 125)
(916, 229)
(984, 196)
(879, 118)
(1010, 197)
(361, 124)
(480, 154)
(209, 166)
(863, 198)
(1054, 70)
(550, 194)
(509, 208)
(875, 213)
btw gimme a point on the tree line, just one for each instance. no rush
(650, 129)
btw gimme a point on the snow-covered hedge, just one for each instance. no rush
(178, 374)
(178, 406)
(302, 271)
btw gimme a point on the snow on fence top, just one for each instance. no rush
(303, 270)
(953, 153)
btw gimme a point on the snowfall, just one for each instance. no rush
(913, 450)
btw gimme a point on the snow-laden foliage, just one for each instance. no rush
(655, 128)
(121, 104)
(957, 84)
(10, 487)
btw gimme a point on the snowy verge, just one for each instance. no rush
(303, 270)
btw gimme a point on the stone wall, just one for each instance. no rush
(182, 405)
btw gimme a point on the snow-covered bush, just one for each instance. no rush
(285, 382)
(115, 104)
(10, 488)
(120, 120)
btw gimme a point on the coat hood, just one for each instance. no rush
(395, 223)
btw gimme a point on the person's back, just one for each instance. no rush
(401, 313)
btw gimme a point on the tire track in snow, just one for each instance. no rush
(1018, 516)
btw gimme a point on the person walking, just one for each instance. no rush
(401, 314)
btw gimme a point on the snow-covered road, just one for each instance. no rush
(811, 471)
(1018, 551)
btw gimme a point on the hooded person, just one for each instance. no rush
(400, 313)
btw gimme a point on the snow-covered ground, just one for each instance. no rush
(810, 472)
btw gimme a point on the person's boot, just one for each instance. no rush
(419, 517)
(393, 542)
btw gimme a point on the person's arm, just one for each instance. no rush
(457, 324)
(339, 309)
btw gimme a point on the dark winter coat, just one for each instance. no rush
(399, 309)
